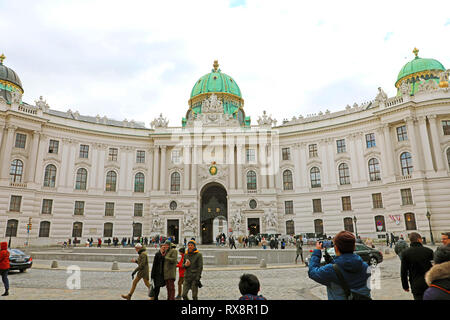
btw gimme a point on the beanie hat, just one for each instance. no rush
(442, 254)
(168, 242)
(345, 242)
(193, 242)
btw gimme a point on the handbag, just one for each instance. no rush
(151, 291)
(351, 295)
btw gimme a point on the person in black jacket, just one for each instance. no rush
(416, 261)
(157, 274)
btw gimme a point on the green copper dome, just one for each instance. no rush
(9, 80)
(216, 82)
(418, 67)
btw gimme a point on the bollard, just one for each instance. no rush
(387, 251)
(54, 264)
(115, 266)
(263, 264)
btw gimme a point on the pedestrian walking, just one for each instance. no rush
(142, 270)
(193, 262)
(232, 242)
(438, 277)
(416, 261)
(346, 276)
(170, 268)
(249, 287)
(181, 271)
(299, 250)
(4, 266)
(387, 239)
(157, 273)
(392, 240)
(400, 247)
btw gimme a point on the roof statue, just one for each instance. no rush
(159, 122)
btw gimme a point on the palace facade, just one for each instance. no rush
(372, 169)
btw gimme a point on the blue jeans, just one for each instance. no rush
(4, 274)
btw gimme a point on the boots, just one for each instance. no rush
(6, 293)
(126, 297)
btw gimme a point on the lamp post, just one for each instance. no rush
(429, 226)
(356, 228)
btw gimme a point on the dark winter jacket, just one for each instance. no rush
(158, 270)
(142, 268)
(355, 271)
(416, 261)
(194, 270)
(170, 263)
(401, 246)
(4, 256)
(438, 280)
(250, 296)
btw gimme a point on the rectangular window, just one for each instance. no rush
(112, 155)
(53, 146)
(175, 156)
(446, 127)
(47, 205)
(401, 134)
(370, 140)
(140, 156)
(406, 196)
(20, 140)
(313, 151)
(138, 209)
(286, 153)
(84, 151)
(14, 206)
(109, 209)
(317, 205)
(289, 207)
(377, 200)
(340, 145)
(346, 204)
(250, 155)
(79, 208)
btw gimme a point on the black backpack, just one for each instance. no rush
(351, 295)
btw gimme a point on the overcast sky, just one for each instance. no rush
(137, 59)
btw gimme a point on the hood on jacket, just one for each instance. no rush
(350, 262)
(3, 245)
(438, 272)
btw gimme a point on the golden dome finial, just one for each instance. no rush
(2, 57)
(216, 65)
(416, 51)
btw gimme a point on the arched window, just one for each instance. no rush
(16, 171)
(318, 227)
(348, 224)
(290, 227)
(108, 230)
(139, 180)
(81, 179)
(287, 180)
(374, 169)
(410, 221)
(344, 174)
(380, 225)
(77, 229)
(251, 180)
(50, 176)
(111, 179)
(44, 229)
(137, 229)
(175, 181)
(11, 228)
(406, 163)
(448, 157)
(315, 177)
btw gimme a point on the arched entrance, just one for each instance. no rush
(213, 204)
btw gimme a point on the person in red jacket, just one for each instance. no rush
(180, 273)
(4, 266)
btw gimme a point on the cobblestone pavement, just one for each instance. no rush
(98, 282)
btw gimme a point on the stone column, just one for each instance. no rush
(435, 136)
(195, 162)
(360, 157)
(31, 168)
(70, 170)
(231, 165)
(263, 165)
(151, 173)
(388, 150)
(240, 156)
(296, 160)
(380, 143)
(156, 169)
(417, 164)
(425, 144)
(93, 184)
(187, 163)
(6, 154)
(325, 179)
(303, 168)
(271, 170)
(100, 173)
(331, 163)
(163, 176)
(1, 137)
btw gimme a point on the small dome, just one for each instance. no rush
(8, 78)
(417, 67)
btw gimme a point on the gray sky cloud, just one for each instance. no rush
(137, 60)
